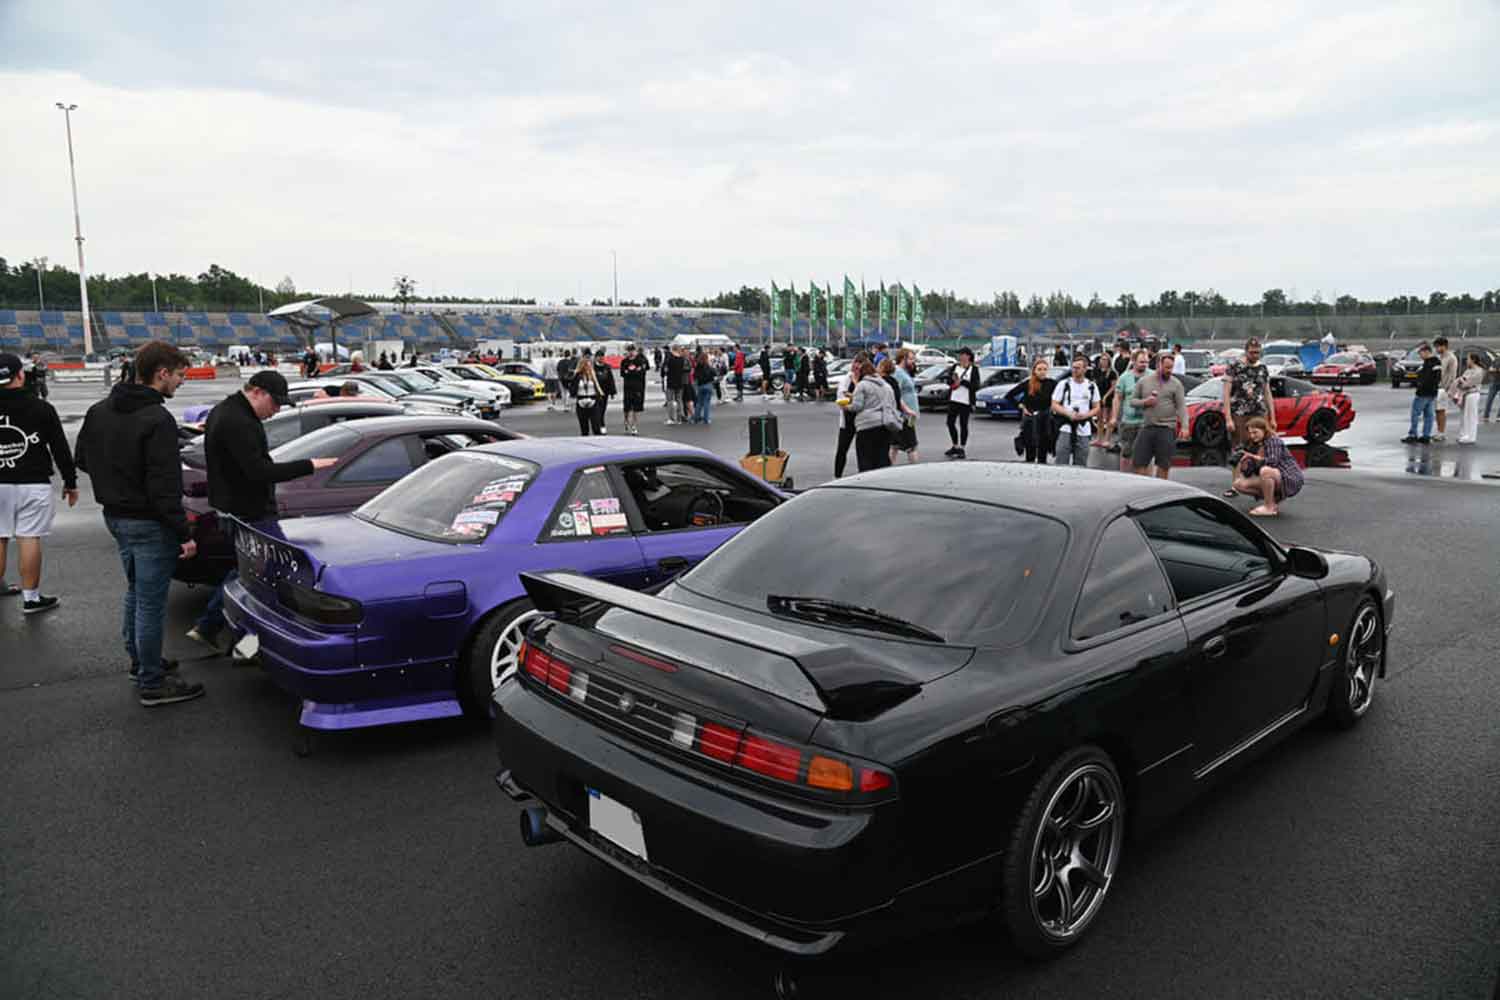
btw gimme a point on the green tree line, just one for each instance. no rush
(219, 289)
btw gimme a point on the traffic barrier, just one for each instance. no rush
(200, 374)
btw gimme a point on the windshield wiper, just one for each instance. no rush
(822, 609)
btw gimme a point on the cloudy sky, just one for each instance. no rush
(1329, 146)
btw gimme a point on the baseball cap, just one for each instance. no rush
(10, 367)
(274, 384)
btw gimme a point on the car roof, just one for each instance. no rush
(412, 423)
(1074, 495)
(566, 450)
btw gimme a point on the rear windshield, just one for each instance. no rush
(1342, 359)
(974, 574)
(460, 497)
(325, 442)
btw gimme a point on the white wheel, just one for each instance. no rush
(503, 655)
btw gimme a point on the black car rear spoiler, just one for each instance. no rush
(570, 595)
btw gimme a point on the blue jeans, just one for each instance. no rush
(1426, 408)
(1489, 400)
(212, 620)
(148, 552)
(703, 410)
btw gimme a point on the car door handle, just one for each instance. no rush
(1215, 647)
(672, 564)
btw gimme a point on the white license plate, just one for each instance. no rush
(616, 823)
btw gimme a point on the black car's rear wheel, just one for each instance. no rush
(1321, 426)
(1353, 689)
(492, 655)
(1063, 853)
(1208, 430)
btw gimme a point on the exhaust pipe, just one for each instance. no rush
(534, 829)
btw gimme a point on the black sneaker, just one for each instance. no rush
(172, 690)
(1410, 439)
(167, 667)
(36, 607)
(1424, 440)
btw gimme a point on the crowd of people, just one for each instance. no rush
(1441, 386)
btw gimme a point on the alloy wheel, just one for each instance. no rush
(1362, 660)
(1075, 851)
(504, 658)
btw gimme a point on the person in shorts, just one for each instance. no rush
(31, 440)
(1247, 394)
(1448, 371)
(633, 368)
(1164, 405)
(1127, 412)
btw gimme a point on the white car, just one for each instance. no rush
(495, 390)
(301, 392)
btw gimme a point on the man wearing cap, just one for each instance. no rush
(31, 440)
(242, 477)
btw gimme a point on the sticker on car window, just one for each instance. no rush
(592, 508)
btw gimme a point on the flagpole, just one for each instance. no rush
(864, 301)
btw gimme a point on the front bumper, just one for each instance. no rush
(799, 877)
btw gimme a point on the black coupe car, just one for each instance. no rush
(814, 751)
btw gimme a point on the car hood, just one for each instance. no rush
(996, 391)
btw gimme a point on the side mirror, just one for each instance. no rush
(1306, 563)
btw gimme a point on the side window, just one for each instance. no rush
(387, 462)
(279, 432)
(1124, 584)
(591, 509)
(1203, 549)
(672, 496)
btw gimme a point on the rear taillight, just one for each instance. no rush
(327, 609)
(553, 672)
(807, 768)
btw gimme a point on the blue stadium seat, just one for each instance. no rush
(7, 317)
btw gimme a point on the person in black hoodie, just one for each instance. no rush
(128, 446)
(1424, 403)
(606, 377)
(633, 373)
(242, 477)
(31, 439)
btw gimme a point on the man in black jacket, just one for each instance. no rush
(128, 446)
(242, 477)
(31, 439)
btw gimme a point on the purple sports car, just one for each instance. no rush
(371, 453)
(411, 608)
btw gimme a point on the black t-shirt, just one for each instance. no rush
(633, 370)
(1041, 400)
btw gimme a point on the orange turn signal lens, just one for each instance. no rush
(825, 772)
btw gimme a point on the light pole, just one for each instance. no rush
(41, 298)
(83, 278)
(153, 295)
(616, 258)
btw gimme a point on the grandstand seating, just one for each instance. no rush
(60, 332)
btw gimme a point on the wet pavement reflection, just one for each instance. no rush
(1308, 456)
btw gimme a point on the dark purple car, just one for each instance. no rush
(411, 607)
(372, 454)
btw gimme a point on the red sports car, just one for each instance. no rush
(1302, 410)
(1343, 368)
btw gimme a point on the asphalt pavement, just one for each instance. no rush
(186, 851)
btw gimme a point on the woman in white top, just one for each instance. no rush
(1465, 392)
(963, 386)
(586, 394)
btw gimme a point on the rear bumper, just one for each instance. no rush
(323, 666)
(799, 877)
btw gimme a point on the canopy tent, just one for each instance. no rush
(331, 310)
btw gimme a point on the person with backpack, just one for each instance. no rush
(963, 386)
(1075, 402)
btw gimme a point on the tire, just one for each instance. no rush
(1208, 430)
(1048, 899)
(1353, 690)
(491, 655)
(1321, 426)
